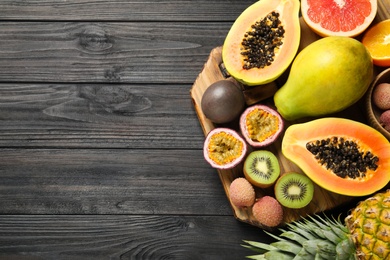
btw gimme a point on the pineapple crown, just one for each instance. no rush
(313, 237)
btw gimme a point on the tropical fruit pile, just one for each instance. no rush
(324, 77)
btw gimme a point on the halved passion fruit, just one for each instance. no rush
(260, 125)
(224, 148)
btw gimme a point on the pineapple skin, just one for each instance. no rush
(369, 226)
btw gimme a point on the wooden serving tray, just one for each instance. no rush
(212, 72)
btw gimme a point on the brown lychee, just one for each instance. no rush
(242, 193)
(384, 120)
(381, 96)
(268, 211)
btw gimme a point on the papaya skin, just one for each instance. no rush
(327, 76)
(298, 135)
(231, 50)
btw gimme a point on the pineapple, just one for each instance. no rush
(365, 235)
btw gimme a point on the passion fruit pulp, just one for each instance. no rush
(224, 148)
(261, 125)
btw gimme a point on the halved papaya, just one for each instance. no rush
(341, 155)
(263, 41)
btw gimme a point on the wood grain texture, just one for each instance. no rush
(108, 52)
(98, 115)
(383, 10)
(119, 10)
(123, 237)
(109, 181)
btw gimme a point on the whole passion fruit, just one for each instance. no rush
(222, 102)
(260, 125)
(224, 148)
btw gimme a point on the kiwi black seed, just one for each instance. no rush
(261, 168)
(294, 190)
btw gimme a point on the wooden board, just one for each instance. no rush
(323, 199)
(213, 71)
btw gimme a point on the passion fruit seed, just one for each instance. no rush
(262, 41)
(261, 124)
(224, 148)
(343, 157)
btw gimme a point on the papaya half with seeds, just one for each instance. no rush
(340, 155)
(263, 41)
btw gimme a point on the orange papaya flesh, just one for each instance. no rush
(367, 139)
(287, 12)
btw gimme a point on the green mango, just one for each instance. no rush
(327, 76)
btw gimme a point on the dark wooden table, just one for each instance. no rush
(100, 147)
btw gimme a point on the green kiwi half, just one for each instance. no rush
(261, 168)
(294, 190)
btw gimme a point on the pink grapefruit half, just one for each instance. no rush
(338, 17)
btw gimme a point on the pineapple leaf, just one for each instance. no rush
(293, 236)
(338, 228)
(303, 255)
(287, 246)
(345, 249)
(311, 246)
(261, 246)
(278, 255)
(326, 229)
(327, 249)
(272, 255)
(299, 228)
(255, 249)
(256, 257)
(319, 257)
(341, 225)
(274, 236)
(313, 227)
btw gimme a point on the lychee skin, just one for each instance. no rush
(384, 120)
(381, 96)
(242, 193)
(268, 211)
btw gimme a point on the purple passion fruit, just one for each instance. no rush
(260, 125)
(224, 148)
(222, 102)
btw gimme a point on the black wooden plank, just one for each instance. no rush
(119, 10)
(124, 237)
(107, 52)
(100, 115)
(109, 181)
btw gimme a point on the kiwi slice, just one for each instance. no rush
(294, 190)
(261, 168)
